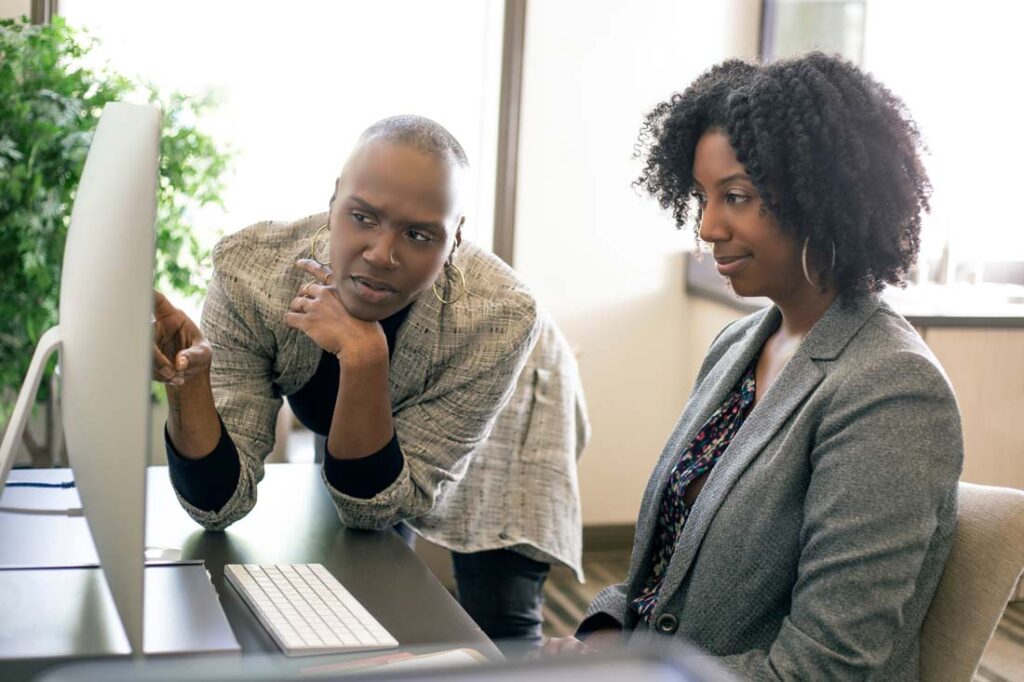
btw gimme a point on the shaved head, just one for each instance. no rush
(420, 133)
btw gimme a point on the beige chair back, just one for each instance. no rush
(980, 576)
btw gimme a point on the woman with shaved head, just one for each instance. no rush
(405, 347)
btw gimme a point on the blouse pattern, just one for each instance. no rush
(700, 457)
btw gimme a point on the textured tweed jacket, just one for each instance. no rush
(816, 544)
(485, 394)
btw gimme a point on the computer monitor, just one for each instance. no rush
(104, 337)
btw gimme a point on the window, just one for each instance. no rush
(298, 81)
(956, 66)
(796, 26)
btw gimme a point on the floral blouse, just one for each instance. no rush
(707, 447)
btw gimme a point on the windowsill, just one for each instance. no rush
(929, 305)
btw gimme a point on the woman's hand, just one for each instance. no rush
(181, 360)
(179, 350)
(561, 646)
(597, 640)
(318, 312)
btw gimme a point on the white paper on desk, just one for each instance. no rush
(455, 658)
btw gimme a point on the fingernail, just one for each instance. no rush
(182, 363)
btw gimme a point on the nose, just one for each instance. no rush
(713, 227)
(380, 252)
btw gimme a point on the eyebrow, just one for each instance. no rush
(365, 204)
(727, 179)
(734, 176)
(413, 223)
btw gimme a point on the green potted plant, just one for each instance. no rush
(50, 103)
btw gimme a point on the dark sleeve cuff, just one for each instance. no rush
(206, 483)
(366, 476)
(598, 621)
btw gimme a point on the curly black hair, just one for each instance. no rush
(833, 153)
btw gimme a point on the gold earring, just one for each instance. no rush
(313, 248)
(803, 262)
(461, 284)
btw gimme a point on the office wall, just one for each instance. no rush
(12, 9)
(604, 260)
(986, 368)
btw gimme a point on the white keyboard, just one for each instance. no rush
(306, 610)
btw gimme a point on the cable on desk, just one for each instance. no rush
(39, 484)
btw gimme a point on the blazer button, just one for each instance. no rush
(667, 624)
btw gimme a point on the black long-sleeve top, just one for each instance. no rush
(208, 483)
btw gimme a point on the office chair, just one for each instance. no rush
(980, 576)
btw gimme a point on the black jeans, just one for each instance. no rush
(503, 591)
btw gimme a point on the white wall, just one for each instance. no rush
(12, 9)
(604, 260)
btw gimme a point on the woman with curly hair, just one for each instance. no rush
(800, 515)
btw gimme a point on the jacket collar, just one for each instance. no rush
(840, 323)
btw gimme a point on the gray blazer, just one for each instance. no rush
(814, 548)
(485, 393)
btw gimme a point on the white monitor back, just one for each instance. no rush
(106, 301)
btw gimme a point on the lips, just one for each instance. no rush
(372, 290)
(731, 265)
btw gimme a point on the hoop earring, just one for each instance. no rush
(803, 261)
(461, 283)
(313, 248)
